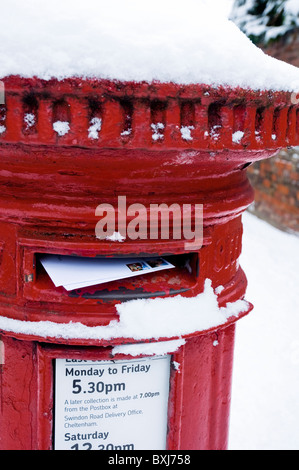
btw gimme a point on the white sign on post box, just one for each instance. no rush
(111, 405)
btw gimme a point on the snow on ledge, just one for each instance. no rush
(141, 319)
(115, 237)
(137, 41)
(61, 127)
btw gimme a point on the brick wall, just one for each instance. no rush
(276, 185)
(285, 48)
(276, 181)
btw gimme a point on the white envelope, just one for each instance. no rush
(74, 272)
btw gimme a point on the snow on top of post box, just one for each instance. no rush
(167, 41)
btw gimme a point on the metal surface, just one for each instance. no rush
(50, 188)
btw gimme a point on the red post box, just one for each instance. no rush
(143, 362)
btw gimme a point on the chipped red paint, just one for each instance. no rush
(50, 188)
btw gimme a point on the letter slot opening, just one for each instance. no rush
(60, 276)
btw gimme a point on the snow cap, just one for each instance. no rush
(132, 40)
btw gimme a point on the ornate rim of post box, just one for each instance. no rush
(192, 116)
(221, 130)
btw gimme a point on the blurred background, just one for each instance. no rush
(265, 405)
(273, 26)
